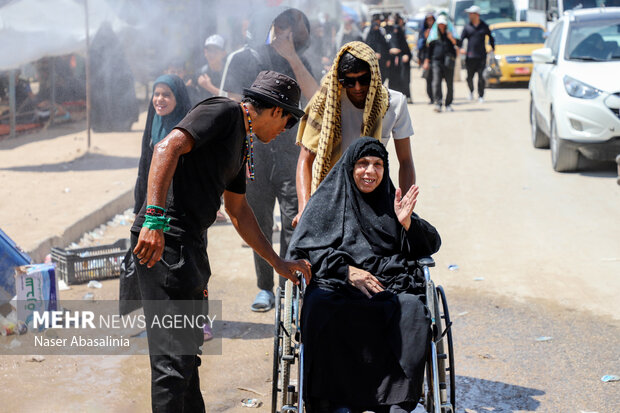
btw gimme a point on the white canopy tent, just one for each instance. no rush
(33, 29)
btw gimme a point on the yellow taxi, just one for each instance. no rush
(514, 44)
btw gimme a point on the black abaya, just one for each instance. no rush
(362, 352)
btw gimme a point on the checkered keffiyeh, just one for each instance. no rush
(320, 129)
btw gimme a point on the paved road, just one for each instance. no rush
(545, 244)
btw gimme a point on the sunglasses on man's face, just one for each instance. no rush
(349, 82)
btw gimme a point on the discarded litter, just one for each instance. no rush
(609, 378)
(62, 286)
(94, 284)
(254, 403)
(544, 338)
(67, 190)
(479, 279)
(38, 359)
(453, 267)
(250, 390)
(88, 296)
(463, 313)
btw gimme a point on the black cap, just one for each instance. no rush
(277, 89)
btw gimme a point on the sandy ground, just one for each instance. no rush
(538, 255)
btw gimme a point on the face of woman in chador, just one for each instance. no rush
(164, 101)
(368, 173)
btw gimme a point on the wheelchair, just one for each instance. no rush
(439, 391)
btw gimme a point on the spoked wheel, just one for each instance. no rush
(287, 349)
(277, 340)
(449, 367)
(283, 350)
(441, 356)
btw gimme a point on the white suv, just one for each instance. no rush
(575, 89)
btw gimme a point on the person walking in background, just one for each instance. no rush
(476, 32)
(276, 162)
(427, 74)
(401, 56)
(441, 60)
(348, 32)
(210, 75)
(374, 37)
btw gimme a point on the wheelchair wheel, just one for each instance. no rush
(287, 349)
(445, 318)
(282, 392)
(436, 388)
(277, 340)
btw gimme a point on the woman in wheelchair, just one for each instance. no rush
(364, 324)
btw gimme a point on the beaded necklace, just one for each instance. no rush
(249, 144)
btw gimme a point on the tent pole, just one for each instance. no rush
(53, 94)
(12, 103)
(87, 77)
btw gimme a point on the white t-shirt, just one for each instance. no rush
(396, 122)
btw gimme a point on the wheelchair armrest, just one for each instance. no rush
(426, 262)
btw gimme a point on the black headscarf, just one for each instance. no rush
(162, 126)
(342, 226)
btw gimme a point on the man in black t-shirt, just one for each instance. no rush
(476, 56)
(203, 158)
(276, 163)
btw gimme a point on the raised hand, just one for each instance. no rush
(403, 205)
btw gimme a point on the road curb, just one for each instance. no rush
(75, 231)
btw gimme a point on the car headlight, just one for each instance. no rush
(498, 57)
(580, 90)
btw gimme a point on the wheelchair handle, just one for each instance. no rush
(426, 262)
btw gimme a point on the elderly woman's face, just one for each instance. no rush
(163, 99)
(368, 173)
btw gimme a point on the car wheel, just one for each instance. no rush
(539, 139)
(563, 157)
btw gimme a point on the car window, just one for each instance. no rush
(553, 41)
(518, 35)
(593, 41)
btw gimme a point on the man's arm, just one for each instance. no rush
(166, 155)
(406, 170)
(491, 38)
(244, 221)
(303, 181)
(285, 47)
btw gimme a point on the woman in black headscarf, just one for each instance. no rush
(169, 104)
(364, 326)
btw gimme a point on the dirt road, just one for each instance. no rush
(538, 255)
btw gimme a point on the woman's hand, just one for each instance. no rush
(403, 205)
(364, 281)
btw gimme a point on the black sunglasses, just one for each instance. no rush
(349, 82)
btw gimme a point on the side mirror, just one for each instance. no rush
(544, 55)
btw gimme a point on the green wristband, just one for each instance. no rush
(152, 222)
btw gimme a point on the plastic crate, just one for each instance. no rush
(80, 265)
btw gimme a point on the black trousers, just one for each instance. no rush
(182, 274)
(274, 179)
(441, 72)
(475, 65)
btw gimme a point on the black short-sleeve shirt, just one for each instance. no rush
(215, 164)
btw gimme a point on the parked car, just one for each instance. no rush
(514, 44)
(575, 88)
